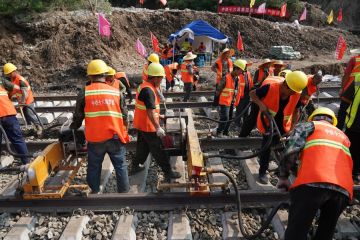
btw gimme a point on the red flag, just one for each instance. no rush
(163, 2)
(340, 48)
(155, 43)
(303, 15)
(104, 26)
(339, 18)
(140, 49)
(240, 45)
(283, 10)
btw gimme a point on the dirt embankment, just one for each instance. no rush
(57, 46)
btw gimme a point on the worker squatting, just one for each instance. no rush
(329, 158)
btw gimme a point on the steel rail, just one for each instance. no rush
(144, 201)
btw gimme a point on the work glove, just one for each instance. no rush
(283, 184)
(160, 132)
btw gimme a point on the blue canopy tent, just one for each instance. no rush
(199, 31)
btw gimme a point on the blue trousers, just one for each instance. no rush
(225, 114)
(13, 132)
(116, 151)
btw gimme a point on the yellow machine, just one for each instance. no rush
(51, 173)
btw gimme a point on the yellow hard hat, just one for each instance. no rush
(296, 81)
(111, 72)
(285, 71)
(241, 64)
(97, 67)
(154, 58)
(324, 111)
(9, 68)
(156, 70)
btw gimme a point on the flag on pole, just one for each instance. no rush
(340, 48)
(163, 2)
(283, 10)
(339, 18)
(104, 26)
(155, 43)
(330, 18)
(140, 49)
(262, 8)
(240, 44)
(252, 3)
(303, 15)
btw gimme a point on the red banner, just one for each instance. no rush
(340, 48)
(239, 9)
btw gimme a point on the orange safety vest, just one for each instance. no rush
(170, 53)
(219, 69)
(115, 83)
(6, 106)
(227, 94)
(103, 117)
(241, 88)
(17, 93)
(355, 70)
(310, 90)
(163, 53)
(145, 73)
(261, 75)
(119, 75)
(326, 158)
(271, 100)
(141, 120)
(272, 79)
(168, 74)
(186, 77)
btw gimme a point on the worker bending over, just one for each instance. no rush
(311, 88)
(24, 96)
(281, 100)
(105, 132)
(323, 179)
(147, 122)
(9, 121)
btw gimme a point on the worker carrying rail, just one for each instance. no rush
(24, 96)
(147, 122)
(99, 104)
(323, 179)
(9, 122)
(281, 99)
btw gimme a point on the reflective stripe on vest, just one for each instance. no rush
(271, 100)
(186, 77)
(241, 87)
(17, 93)
(220, 67)
(326, 158)
(354, 72)
(103, 117)
(7, 108)
(227, 94)
(352, 110)
(141, 120)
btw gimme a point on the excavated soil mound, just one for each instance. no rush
(56, 47)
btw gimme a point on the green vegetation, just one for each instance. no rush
(10, 7)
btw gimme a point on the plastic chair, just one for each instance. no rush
(180, 61)
(208, 57)
(201, 62)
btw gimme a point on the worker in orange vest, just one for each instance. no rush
(119, 81)
(311, 88)
(222, 66)
(228, 90)
(281, 100)
(9, 121)
(170, 72)
(346, 96)
(323, 179)
(187, 74)
(147, 122)
(152, 58)
(264, 70)
(24, 96)
(99, 104)
(245, 86)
